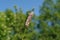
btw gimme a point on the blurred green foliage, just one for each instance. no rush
(46, 26)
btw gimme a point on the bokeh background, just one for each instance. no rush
(44, 25)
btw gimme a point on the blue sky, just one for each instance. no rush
(24, 4)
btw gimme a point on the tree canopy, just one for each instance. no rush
(46, 26)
